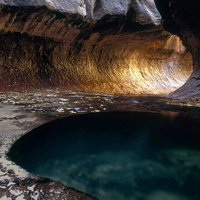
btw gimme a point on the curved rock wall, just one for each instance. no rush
(182, 18)
(100, 46)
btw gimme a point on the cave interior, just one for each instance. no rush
(63, 58)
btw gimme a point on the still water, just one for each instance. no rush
(117, 155)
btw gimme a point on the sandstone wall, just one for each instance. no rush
(101, 46)
(182, 18)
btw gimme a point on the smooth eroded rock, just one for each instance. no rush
(100, 46)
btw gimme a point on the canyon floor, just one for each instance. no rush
(23, 111)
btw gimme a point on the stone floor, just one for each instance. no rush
(20, 112)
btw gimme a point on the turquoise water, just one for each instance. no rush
(132, 156)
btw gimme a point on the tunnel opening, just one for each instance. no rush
(126, 53)
(107, 47)
(149, 62)
(117, 155)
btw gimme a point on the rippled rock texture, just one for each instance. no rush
(101, 46)
(182, 18)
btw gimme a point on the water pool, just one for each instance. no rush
(117, 155)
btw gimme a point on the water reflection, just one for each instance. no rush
(119, 155)
(57, 103)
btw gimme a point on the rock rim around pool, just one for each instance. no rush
(117, 155)
(22, 112)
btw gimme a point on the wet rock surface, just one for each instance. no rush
(21, 112)
(38, 188)
(96, 46)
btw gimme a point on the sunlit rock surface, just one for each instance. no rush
(97, 46)
(182, 18)
(94, 46)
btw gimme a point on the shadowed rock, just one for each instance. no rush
(182, 18)
(100, 46)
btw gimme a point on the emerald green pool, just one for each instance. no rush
(117, 155)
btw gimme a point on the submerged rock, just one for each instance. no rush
(116, 46)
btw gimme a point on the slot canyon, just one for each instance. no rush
(116, 47)
(75, 57)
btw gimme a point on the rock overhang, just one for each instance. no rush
(106, 46)
(182, 18)
(113, 49)
(95, 9)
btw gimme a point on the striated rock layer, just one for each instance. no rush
(182, 18)
(100, 46)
